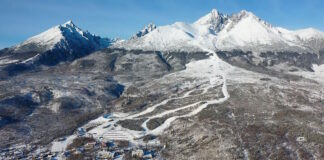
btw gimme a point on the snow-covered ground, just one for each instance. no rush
(60, 146)
(317, 75)
(7, 61)
(4, 61)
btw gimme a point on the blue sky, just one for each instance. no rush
(20, 19)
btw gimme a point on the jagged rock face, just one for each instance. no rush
(215, 20)
(145, 30)
(121, 61)
(292, 60)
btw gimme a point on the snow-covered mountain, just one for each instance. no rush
(60, 43)
(65, 35)
(218, 31)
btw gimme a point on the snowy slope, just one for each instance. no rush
(246, 29)
(218, 31)
(59, 36)
(59, 43)
(48, 38)
(301, 35)
(309, 33)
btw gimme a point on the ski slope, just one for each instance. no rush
(211, 70)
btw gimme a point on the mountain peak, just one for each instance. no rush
(147, 29)
(67, 40)
(214, 20)
(150, 27)
(69, 23)
(54, 35)
(211, 18)
(215, 12)
(246, 13)
(62, 36)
